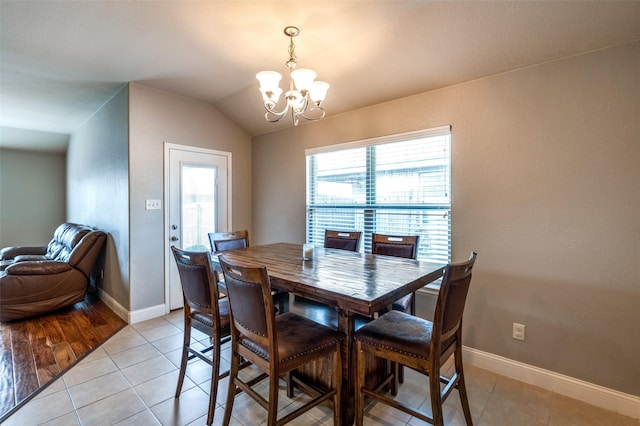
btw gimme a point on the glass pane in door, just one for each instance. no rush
(198, 206)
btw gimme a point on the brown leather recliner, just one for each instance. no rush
(35, 280)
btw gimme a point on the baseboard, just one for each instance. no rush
(146, 313)
(131, 317)
(628, 405)
(116, 307)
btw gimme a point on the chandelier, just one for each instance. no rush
(304, 97)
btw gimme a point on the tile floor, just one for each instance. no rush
(130, 380)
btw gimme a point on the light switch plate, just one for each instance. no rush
(153, 204)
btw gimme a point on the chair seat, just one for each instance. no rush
(225, 321)
(297, 337)
(399, 332)
(403, 304)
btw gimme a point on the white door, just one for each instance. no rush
(198, 200)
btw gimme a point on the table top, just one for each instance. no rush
(361, 283)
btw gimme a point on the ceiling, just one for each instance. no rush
(61, 60)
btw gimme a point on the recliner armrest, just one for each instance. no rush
(8, 253)
(29, 257)
(39, 267)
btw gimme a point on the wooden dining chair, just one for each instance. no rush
(204, 311)
(400, 246)
(343, 240)
(221, 241)
(421, 345)
(276, 345)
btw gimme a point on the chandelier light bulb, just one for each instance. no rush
(303, 79)
(318, 91)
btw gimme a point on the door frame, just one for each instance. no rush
(166, 232)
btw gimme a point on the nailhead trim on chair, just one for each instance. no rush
(392, 348)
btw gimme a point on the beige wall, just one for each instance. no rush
(98, 187)
(158, 118)
(116, 163)
(546, 188)
(32, 196)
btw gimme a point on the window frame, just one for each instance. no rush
(370, 205)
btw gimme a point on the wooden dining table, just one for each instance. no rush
(356, 284)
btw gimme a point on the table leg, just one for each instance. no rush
(346, 324)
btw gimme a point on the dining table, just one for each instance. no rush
(356, 284)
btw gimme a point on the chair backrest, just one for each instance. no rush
(221, 241)
(87, 251)
(343, 240)
(447, 322)
(199, 282)
(395, 245)
(65, 238)
(251, 306)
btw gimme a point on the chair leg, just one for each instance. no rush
(360, 374)
(412, 311)
(273, 399)
(231, 395)
(215, 372)
(462, 387)
(289, 382)
(337, 398)
(395, 370)
(185, 354)
(436, 398)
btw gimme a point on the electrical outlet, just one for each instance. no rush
(518, 331)
(153, 204)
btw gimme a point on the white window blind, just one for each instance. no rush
(399, 185)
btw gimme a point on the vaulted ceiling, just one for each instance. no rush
(61, 60)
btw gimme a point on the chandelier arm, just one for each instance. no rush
(315, 108)
(274, 116)
(304, 106)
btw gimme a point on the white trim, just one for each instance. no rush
(131, 317)
(113, 304)
(435, 131)
(146, 313)
(626, 404)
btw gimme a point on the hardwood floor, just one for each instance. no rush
(36, 350)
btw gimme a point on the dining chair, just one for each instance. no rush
(204, 311)
(400, 246)
(421, 345)
(221, 241)
(344, 240)
(276, 345)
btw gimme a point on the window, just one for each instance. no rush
(399, 184)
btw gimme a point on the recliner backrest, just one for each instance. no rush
(65, 239)
(85, 253)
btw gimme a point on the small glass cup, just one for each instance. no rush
(307, 251)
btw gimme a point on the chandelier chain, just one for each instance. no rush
(291, 63)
